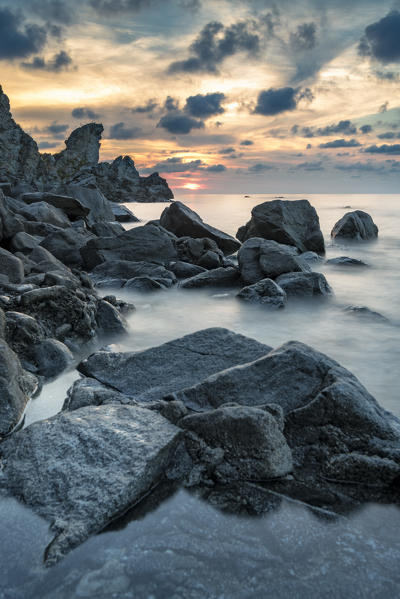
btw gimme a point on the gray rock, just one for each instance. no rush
(345, 261)
(357, 225)
(261, 258)
(67, 204)
(90, 392)
(23, 332)
(253, 446)
(10, 224)
(11, 266)
(288, 222)
(109, 320)
(144, 284)
(357, 468)
(153, 189)
(100, 209)
(115, 455)
(184, 270)
(147, 243)
(201, 251)
(265, 292)
(16, 386)
(44, 261)
(65, 245)
(183, 221)
(44, 213)
(123, 215)
(125, 269)
(304, 284)
(367, 313)
(219, 277)
(39, 229)
(151, 374)
(311, 257)
(52, 357)
(23, 242)
(103, 229)
(82, 148)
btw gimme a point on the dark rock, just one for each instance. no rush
(357, 468)
(69, 205)
(261, 258)
(90, 392)
(184, 270)
(44, 261)
(103, 229)
(43, 213)
(10, 224)
(153, 189)
(23, 242)
(65, 245)
(345, 261)
(219, 277)
(125, 269)
(11, 266)
(39, 229)
(265, 292)
(52, 357)
(357, 225)
(23, 332)
(304, 284)
(109, 320)
(203, 252)
(184, 222)
(123, 215)
(82, 148)
(100, 209)
(143, 284)
(364, 312)
(288, 222)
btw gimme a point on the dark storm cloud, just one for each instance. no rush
(120, 131)
(171, 104)
(177, 122)
(149, 107)
(112, 7)
(246, 142)
(344, 127)
(304, 38)
(176, 165)
(274, 101)
(215, 43)
(58, 11)
(381, 40)
(205, 106)
(341, 143)
(384, 149)
(365, 129)
(389, 135)
(56, 129)
(60, 62)
(17, 38)
(85, 113)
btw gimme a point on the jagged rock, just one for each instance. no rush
(265, 292)
(261, 258)
(345, 261)
(202, 252)
(218, 277)
(118, 180)
(288, 222)
(153, 189)
(23, 332)
(304, 284)
(40, 212)
(184, 222)
(16, 386)
(104, 229)
(311, 257)
(123, 215)
(100, 209)
(147, 243)
(10, 224)
(39, 229)
(44, 261)
(357, 468)
(23, 242)
(90, 392)
(65, 245)
(116, 454)
(69, 205)
(184, 270)
(151, 374)
(125, 270)
(52, 357)
(109, 320)
(357, 225)
(11, 266)
(82, 148)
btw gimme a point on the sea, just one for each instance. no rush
(181, 546)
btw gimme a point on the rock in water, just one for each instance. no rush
(261, 258)
(345, 261)
(265, 292)
(289, 222)
(81, 469)
(304, 284)
(153, 373)
(357, 225)
(218, 277)
(184, 222)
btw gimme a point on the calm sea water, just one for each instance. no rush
(291, 551)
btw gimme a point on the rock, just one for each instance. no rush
(304, 284)
(153, 189)
(219, 277)
(39, 229)
(265, 292)
(115, 456)
(103, 229)
(290, 222)
(151, 374)
(364, 312)
(109, 320)
(357, 225)
(345, 261)
(52, 357)
(184, 270)
(184, 222)
(90, 392)
(123, 215)
(143, 284)
(67, 204)
(11, 266)
(311, 257)
(119, 181)
(82, 148)
(147, 243)
(253, 446)
(261, 258)
(44, 213)
(203, 252)
(44, 261)
(100, 209)
(10, 224)
(125, 269)
(23, 332)
(65, 245)
(16, 386)
(358, 468)
(23, 242)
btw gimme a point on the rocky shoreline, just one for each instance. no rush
(213, 411)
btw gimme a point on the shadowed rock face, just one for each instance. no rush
(82, 149)
(357, 225)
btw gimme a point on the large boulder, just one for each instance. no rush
(357, 225)
(122, 214)
(218, 277)
(10, 223)
(291, 222)
(82, 148)
(184, 222)
(202, 252)
(265, 292)
(262, 258)
(41, 212)
(153, 189)
(125, 270)
(52, 357)
(11, 266)
(150, 374)
(91, 199)
(81, 469)
(69, 205)
(65, 245)
(304, 284)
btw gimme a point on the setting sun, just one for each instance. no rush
(192, 186)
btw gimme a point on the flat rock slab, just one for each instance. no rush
(151, 374)
(71, 206)
(81, 469)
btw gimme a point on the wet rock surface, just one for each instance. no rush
(265, 292)
(261, 258)
(357, 225)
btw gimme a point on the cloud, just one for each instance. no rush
(55, 129)
(204, 106)
(361, 167)
(387, 75)
(365, 129)
(176, 165)
(57, 11)
(120, 131)
(215, 43)
(60, 62)
(384, 149)
(171, 104)
(112, 7)
(345, 127)
(83, 113)
(381, 40)
(310, 166)
(389, 135)
(149, 107)
(216, 168)
(274, 101)
(179, 123)
(17, 38)
(226, 151)
(341, 143)
(260, 167)
(47, 145)
(304, 38)
(246, 142)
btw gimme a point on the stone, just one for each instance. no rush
(39, 229)
(67, 204)
(116, 454)
(358, 468)
(10, 223)
(90, 392)
(52, 357)
(356, 225)
(23, 332)
(184, 270)
(151, 374)
(367, 313)
(110, 322)
(44, 213)
(345, 261)
(100, 209)
(65, 245)
(11, 266)
(23, 242)
(143, 284)
(265, 292)
(104, 229)
(218, 277)
(119, 180)
(304, 284)
(252, 443)
(289, 222)
(44, 261)
(203, 252)
(16, 386)
(82, 148)
(262, 258)
(122, 214)
(147, 243)
(125, 270)
(184, 222)
(153, 189)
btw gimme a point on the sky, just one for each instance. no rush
(218, 96)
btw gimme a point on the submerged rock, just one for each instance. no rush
(345, 261)
(265, 292)
(357, 225)
(365, 312)
(261, 258)
(304, 284)
(203, 252)
(52, 357)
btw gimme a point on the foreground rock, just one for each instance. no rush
(265, 292)
(261, 258)
(184, 222)
(357, 225)
(151, 374)
(304, 284)
(219, 277)
(288, 222)
(116, 454)
(119, 272)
